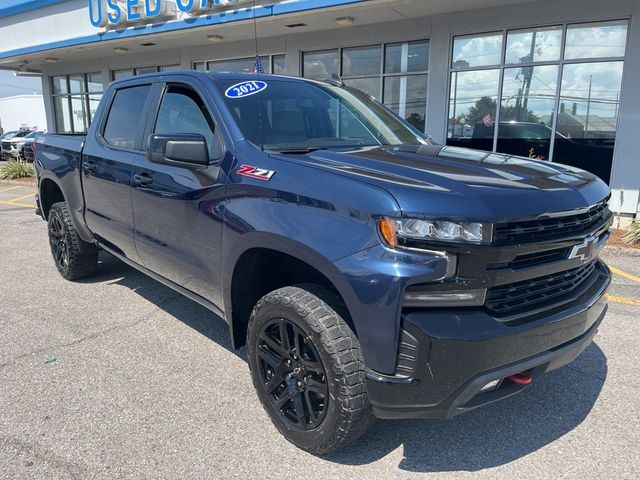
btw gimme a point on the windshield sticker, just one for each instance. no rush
(255, 172)
(244, 89)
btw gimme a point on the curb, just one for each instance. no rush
(616, 251)
(24, 182)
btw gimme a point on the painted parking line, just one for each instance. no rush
(626, 275)
(8, 189)
(16, 202)
(624, 300)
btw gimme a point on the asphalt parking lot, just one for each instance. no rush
(117, 376)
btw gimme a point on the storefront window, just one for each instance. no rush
(596, 40)
(279, 64)
(75, 101)
(523, 68)
(132, 72)
(320, 65)
(246, 65)
(395, 73)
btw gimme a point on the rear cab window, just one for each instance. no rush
(125, 118)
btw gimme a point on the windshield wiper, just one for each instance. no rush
(299, 150)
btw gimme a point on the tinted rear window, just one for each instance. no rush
(125, 116)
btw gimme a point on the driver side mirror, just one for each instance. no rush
(178, 150)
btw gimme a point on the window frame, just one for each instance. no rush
(382, 75)
(269, 56)
(561, 62)
(154, 114)
(139, 145)
(85, 95)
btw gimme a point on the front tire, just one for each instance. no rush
(65, 245)
(307, 368)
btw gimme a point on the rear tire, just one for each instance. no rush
(65, 245)
(308, 370)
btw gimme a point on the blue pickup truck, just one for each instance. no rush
(369, 272)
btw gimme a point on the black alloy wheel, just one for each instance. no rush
(292, 373)
(58, 241)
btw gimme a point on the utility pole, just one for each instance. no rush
(586, 126)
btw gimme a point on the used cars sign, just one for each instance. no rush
(121, 13)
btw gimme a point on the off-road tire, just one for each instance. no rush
(348, 411)
(65, 245)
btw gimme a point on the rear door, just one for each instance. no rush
(178, 208)
(107, 165)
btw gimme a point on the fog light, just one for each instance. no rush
(458, 298)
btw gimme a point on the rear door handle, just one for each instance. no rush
(143, 179)
(89, 166)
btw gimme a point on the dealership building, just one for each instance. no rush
(499, 75)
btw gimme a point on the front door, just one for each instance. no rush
(177, 209)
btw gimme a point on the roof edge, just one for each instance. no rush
(26, 6)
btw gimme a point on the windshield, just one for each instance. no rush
(304, 116)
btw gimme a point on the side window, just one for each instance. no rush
(183, 111)
(125, 116)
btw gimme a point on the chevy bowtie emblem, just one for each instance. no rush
(587, 249)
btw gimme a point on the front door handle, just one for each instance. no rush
(143, 179)
(89, 166)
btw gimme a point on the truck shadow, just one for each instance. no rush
(192, 314)
(488, 437)
(496, 434)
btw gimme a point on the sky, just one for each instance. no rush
(11, 85)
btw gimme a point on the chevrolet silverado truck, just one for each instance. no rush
(369, 272)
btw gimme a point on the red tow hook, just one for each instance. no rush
(523, 378)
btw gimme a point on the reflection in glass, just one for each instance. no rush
(526, 111)
(406, 57)
(587, 121)
(94, 82)
(62, 114)
(94, 101)
(320, 65)
(473, 105)
(536, 45)
(60, 85)
(76, 83)
(407, 96)
(246, 65)
(361, 61)
(199, 66)
(596, 40)
(143, 70)
(79, 112)
(370, 85)
(279, 65)
(477, 50)
(120, 74)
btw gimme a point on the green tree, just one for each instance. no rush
(487, 105)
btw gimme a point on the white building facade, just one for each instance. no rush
(499, 75)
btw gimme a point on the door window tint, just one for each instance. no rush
(125, 117)
(183, 111)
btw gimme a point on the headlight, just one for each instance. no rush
(404, 232)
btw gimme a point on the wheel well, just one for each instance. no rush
(260, 271)
(50, 193)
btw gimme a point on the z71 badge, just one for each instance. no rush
(255, 172)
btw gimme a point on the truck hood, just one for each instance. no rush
(453, 182)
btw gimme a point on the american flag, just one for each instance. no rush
(257, 67)
(487, 120)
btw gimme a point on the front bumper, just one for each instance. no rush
(453, 354)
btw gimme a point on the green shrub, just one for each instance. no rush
(633, 234)
(16, 169)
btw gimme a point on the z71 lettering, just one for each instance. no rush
(255, 172)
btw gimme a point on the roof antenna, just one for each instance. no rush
(258, 70)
